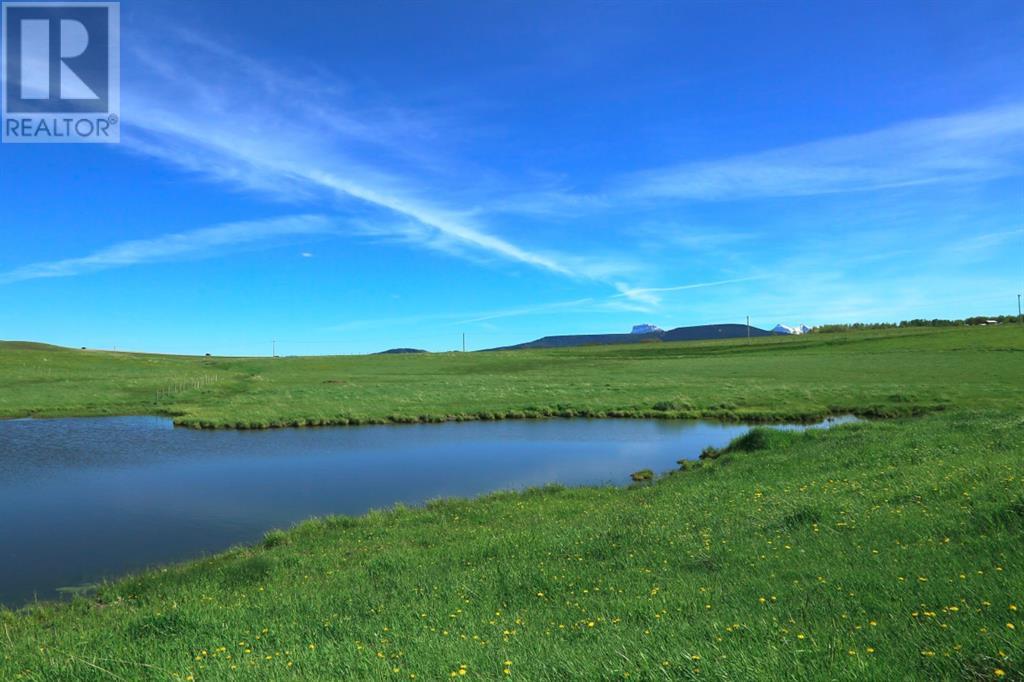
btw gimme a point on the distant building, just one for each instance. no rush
(645, 329)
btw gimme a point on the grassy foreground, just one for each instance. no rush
(882, 550)
(882, 373)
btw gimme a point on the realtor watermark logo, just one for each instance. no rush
(61, 72)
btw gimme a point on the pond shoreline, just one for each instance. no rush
(723, 417)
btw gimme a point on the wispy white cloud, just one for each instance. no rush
(652, 295)
(298, 149)
(969, 147)
(985, 242)
(201, 243)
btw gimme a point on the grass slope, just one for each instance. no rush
(888, 372)
(884, 551)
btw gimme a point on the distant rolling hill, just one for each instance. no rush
(29, 345)
(699, 333)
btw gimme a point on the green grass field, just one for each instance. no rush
(882, 550)
(891, 372)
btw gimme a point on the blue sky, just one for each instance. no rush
(352, 177)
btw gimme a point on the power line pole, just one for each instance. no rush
(748, 328)
(463, 342)
(1020, 318)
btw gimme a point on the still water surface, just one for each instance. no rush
(86, 499)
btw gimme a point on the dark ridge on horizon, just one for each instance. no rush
(704, 332)
(400, 351)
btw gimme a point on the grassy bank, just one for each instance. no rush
(883, 373)
(884, 550)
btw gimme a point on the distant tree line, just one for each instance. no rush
(920, 322)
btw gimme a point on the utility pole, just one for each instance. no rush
(463, 342)
(748, 328)
(1020, 318)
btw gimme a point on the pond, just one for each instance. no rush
(86, 499)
